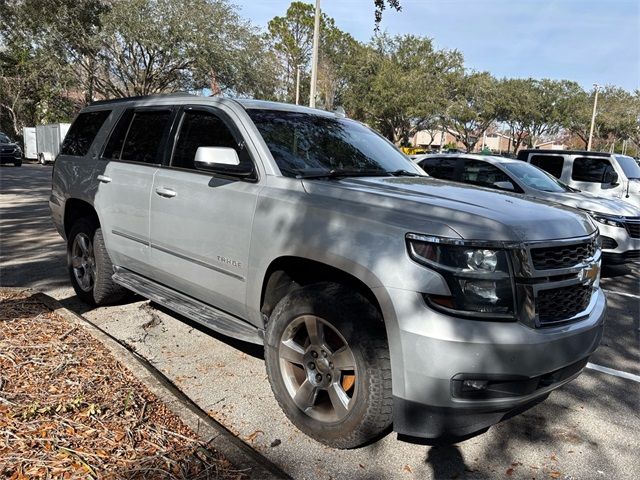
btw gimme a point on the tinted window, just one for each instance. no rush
(549, 163)
(589, 169)
(201, 129)
(82, 133)
(116, 140)
(312, 143)
(4, 138)
(444, 168)
(483, 174)
(139, 136)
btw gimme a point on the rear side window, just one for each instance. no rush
(549, 163)
(201, 129)
(82, 133)
(590, 169)
(482, 174)
(444, 168)
(138, 136)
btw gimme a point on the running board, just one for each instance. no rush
(191, 308)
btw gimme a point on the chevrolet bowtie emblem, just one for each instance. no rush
(589, 274)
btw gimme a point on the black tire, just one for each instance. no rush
(18, 163)
(102, 291)
(362, 328)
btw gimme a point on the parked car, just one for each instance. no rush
(603, 174)
(618, 221)
(48, 140)
(10, 151)
(381, 296)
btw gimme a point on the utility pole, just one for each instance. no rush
(593, 116)
(297, 84)
(314, 58)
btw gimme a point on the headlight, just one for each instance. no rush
(612, 221)
(478, 275)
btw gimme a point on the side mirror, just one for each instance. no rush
(610, 176)
(222, 160)
(505, 185)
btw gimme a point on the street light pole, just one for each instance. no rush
(593, 116)
(297, 84)
(314, 59)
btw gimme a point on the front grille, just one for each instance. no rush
(7, 149)
(633, 228)
(563, 256)
(560, 304)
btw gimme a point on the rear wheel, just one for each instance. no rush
(89, 266)
(328, 364)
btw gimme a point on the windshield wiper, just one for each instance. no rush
(404, 173)
(334, 173)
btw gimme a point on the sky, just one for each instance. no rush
(589, 41)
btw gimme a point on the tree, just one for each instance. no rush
(473, 108)
(397, 84)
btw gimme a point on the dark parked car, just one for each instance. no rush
(10, 151)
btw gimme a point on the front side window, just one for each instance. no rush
(138, 136)
(590, 169)
(549, 163)
(4, 138)
(482, 174)
(82, 133)
(202, 129)
(443, 168)
(303, 143)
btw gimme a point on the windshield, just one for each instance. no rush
(4, 138)
(304, 144)
(629, 166)
(535, 178)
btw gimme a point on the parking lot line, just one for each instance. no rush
(630, 295)
(616, 373)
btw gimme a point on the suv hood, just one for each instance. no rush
(426, 205)
(588, 201)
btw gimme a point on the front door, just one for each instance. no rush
(201, 222)
(125, 172)
(588, 174)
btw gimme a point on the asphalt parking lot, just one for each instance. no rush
(587, 429)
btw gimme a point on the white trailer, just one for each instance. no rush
(30, 146)
(48, 140)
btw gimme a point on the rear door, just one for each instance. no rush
(552, 164)
(444, 168)
(200, 221)
(129, 161)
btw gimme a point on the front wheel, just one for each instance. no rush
(89, 265)
(328, 363)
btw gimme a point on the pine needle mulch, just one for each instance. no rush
(68, 409)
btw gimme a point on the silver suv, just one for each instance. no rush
(380, 295)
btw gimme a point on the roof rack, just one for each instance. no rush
(140, 97)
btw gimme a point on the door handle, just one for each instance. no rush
(165, 192)
(104, 178)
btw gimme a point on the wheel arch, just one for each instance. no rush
(287, 273)
(75, 208)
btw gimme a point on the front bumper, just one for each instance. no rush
(429, 349)
(625, 248)
(10, 157)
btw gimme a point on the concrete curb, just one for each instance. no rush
(241, 455)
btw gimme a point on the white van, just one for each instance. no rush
(603, 174)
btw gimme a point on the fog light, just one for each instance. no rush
(485, 289)
(474, 385)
